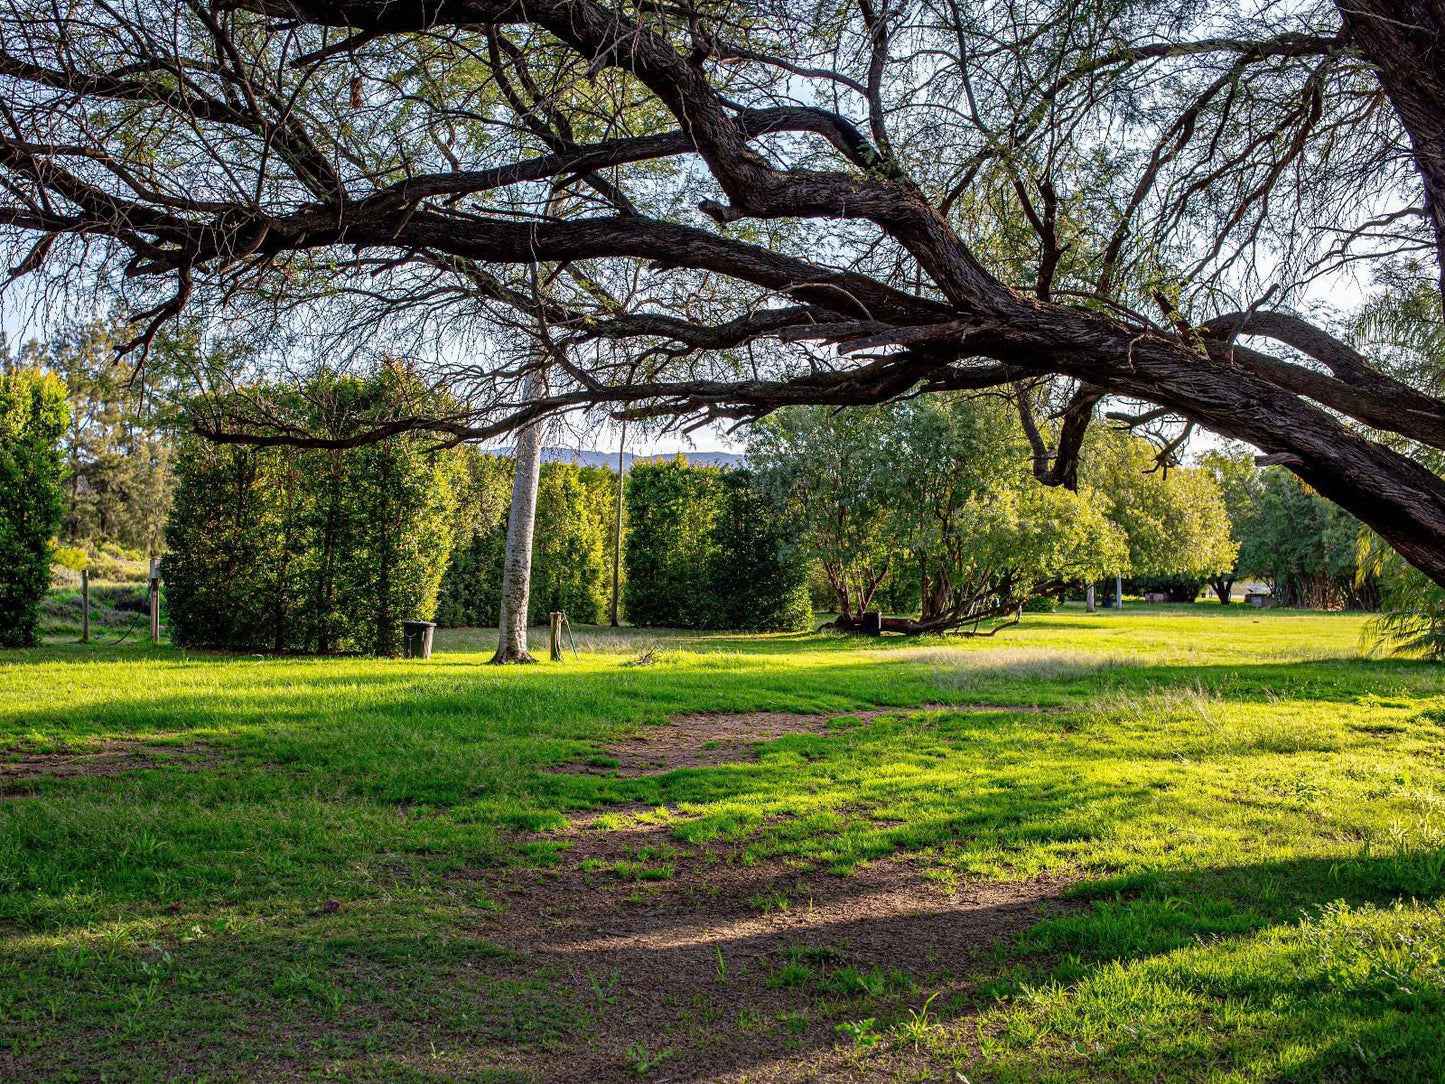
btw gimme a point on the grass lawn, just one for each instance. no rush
(1182, 844)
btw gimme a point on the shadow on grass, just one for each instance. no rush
(390, 988)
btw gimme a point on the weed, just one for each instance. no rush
(921, 1025)
(643, 1061)
(864, 1033)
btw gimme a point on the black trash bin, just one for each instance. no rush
(872, 622)
(416, 639)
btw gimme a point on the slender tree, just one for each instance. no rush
(521, 521)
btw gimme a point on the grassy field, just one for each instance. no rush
(1182, 844)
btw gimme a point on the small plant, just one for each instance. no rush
(601, 990)
(643, 1060)
(722, 966)
(920, 1025)
(767, 902)
(851, 982)
(863, 1032)
(793, 973)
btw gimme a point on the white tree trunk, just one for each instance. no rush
(517, 564)
(612, 609)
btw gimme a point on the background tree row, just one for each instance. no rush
(312, 550)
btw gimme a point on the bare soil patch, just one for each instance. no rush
(19, 770)
(644, 954)
(711, 739)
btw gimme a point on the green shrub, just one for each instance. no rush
(1041, 604)
(705, 550)
(305, 549)
(670, 512)
(757, 575)
(34, 413)
(571, 546)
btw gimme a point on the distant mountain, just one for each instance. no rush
(590, 457)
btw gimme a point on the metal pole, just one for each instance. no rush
(85, 605)
(617, 540)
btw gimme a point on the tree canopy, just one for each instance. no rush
(33, 416)
(1115, 198)
(939, 489)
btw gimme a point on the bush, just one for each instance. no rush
(34, 413)
(670, 511)
(1179, 589)
(311, 550)
(757, 574)
(705, 550)
(571, 546)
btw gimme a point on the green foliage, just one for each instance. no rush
(930, 504)
(1177, 523)
(670, 513)
(33, 417)
(571, 550)
(1304, 546)
(990, 537)
(756, 575)
(706, 550)
(1403, 331)
(311, 550)
(571, 546)
(826, 470)
(471, 586)
(1233, 469)
(116, 446)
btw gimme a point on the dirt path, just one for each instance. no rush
(801, 951)
(711, 739)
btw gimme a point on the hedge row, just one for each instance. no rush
(705, 551)
(571, 547)
(311, 550)
(34, 412)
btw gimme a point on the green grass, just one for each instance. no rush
(1250, 815)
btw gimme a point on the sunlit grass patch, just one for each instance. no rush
(1232, 804)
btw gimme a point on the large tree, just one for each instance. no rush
(1111, 198)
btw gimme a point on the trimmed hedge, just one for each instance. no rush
(34, 413)
(311, 550)
(571, 548)
(705, 551)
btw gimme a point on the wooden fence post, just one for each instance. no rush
(556, 630)
(155, 600)
(85, 605)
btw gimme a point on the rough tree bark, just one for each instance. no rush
(1402, 38)
(517, 564)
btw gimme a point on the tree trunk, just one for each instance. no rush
(1222, 585)
(1402, 39)
(517, 564)
(612, 609)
